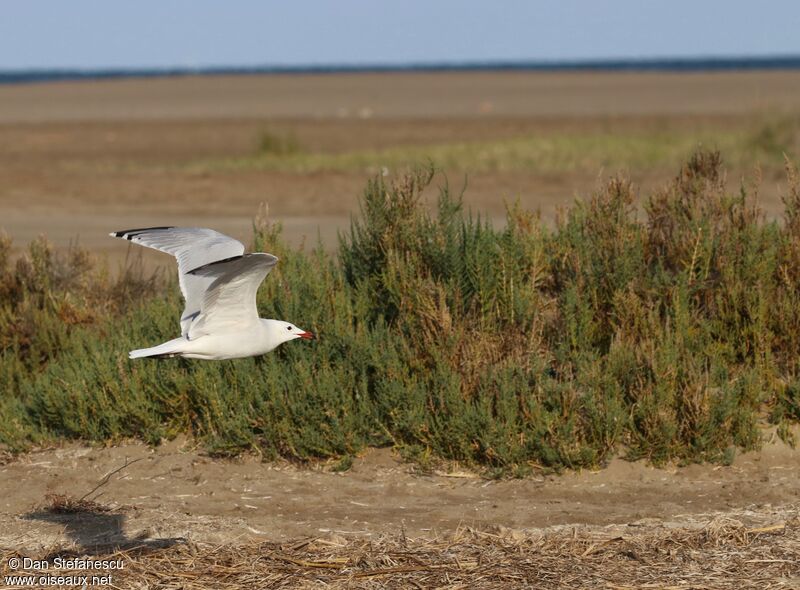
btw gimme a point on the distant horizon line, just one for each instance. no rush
(649, 64)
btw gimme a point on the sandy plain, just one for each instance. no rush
(78, 159)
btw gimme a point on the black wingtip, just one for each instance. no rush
(204, 266)
(131, 233)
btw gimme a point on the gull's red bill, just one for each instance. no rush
(307, 335)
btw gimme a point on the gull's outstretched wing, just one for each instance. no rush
(193, 247)
(230, 299)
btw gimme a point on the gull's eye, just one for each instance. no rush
(289, 328)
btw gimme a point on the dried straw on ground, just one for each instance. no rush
(725, 553)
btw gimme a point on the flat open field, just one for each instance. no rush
(78, 160)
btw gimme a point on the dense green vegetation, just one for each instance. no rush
(671, 334)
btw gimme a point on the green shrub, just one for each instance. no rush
(670, 335)
(272, 144)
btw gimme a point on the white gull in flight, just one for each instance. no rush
(219, 283)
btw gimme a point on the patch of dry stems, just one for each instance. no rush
(724, 553)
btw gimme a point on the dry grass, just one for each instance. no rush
(724, 553)
(66, 504)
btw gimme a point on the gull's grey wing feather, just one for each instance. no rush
(192, 247)
(230, 299)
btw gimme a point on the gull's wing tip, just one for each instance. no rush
(272, 260)
(204, 267)
(131, 233)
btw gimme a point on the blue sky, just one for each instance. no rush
(194, 33)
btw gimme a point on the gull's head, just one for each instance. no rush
(286, 331)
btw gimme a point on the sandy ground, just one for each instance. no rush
(449, 94)
(174, 492)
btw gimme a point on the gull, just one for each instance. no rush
(219, 284)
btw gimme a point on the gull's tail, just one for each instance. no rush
(162, 351)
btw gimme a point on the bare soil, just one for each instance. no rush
(173, 491)
(402, 95)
